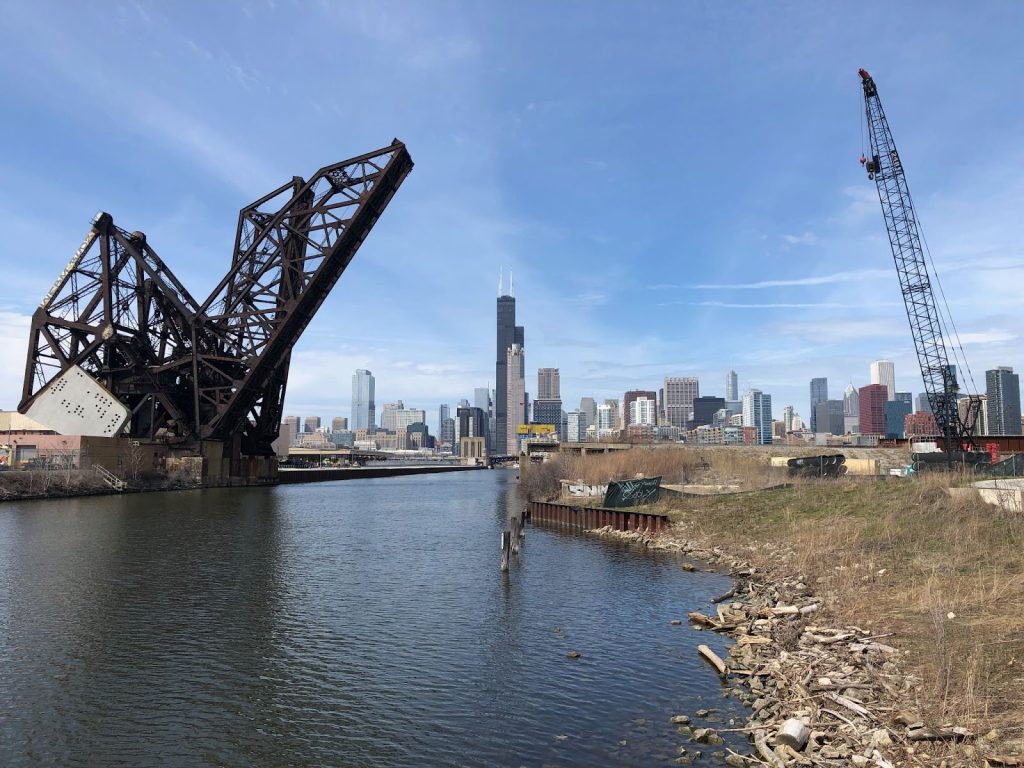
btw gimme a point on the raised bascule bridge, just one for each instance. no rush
(120, 349)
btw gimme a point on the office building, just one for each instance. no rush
(883, 372)
(310, 424)
(920, 424)
(922, 405)
(445, 426)
(364, 410)
(483, 398)
(1002, 389)
(295, 423)
(339, 424)
(829, 418)
(387, 415)
(576, 426)
(973, 411)
(404, 417)
(508, 334)
(851, 401)
(515, 396)
(680, 392)
(548, 411)
(873, 398)
(589, 406)
(896, 412)
(757, 414)
(548, 387)
(819, 394)
(905, 397)
(704, 410)
(629, 397)
(732, 391)
(471, 423)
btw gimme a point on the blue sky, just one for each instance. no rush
(675, 185)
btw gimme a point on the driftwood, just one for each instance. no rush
(713, 659)
(793, 733)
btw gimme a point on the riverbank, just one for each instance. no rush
(892, 595)
(62, 484)
(320, 475)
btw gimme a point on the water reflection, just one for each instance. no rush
(355, 623)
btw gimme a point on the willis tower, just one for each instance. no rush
(508, 334)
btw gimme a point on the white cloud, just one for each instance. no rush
(806, 238)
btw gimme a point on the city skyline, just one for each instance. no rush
(784, 274)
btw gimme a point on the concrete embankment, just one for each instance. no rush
(287, 476)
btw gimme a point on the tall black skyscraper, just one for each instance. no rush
(508, 334)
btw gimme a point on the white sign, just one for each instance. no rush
(75, 403)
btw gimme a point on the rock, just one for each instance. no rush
(735, 761)
(675, 622)
(573, 655)
(702, 712)
(680, 719)
(859, 760)
(685, 730)
(880, 738)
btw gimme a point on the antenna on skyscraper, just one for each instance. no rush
(511, 288)
(499, 281)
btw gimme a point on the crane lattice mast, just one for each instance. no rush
(940, 383)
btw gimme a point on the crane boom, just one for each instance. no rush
(940, 383)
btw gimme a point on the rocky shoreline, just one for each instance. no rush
(818, 694)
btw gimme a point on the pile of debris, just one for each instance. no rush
(821, 695)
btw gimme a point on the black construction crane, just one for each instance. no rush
(940, 383)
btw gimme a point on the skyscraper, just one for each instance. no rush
(819, 393)
(851, 401)
(364, 410)
(680, 392)
(757, 413)
(548, 387)
(310, 424)
(829, 417)
(873, 398)
(922, 404)
(576, 427)
(704, 410)
(589, 406)
(339, 424)
(628, 399)
(883, 372)
(387, 415)
(1002, 386)
(732, 391)
(643, 411)
(613, 403)
(515, 366)
(508, 333)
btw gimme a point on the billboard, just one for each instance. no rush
(535, 429)
(632, 493)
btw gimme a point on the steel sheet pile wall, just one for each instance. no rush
(589, 518)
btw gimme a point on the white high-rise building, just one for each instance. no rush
(757, 413)
(883, 372)
(732, 390)
(387, 415)
(516, 388)
(605, 418)
(851, 401)
(364, 411)
(787, 417)
(643, 411)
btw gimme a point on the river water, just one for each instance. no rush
(354, 623)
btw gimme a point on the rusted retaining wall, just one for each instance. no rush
(585, 518)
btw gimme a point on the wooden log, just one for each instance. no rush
(506, 546)
(793, 734)
(713, 659)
